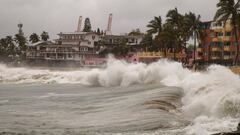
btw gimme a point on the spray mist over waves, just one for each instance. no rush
(117, 73)
(213, 93)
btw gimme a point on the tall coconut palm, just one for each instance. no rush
(176, 21)
(167, 37)
(147, 41)
(229, 9)
(11, 48)
(195, 30)
(21, 42)
(3, 47)
(155, 25)
(34, 38)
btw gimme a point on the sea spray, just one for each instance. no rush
(212, 94)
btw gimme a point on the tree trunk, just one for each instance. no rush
(165, 50)
(222, 54)
(236, 40)
(194, 50)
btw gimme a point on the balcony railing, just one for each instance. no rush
(227, 57)
(159, 55)
(199, 57)
(228, 28)
(216, 49)
(227, 38)
(218, 28)
(199, 49)
(215, 39)
(215, 57)
(226, 48)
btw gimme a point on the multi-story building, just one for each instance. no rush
(79, 47)
(70, 47)
(218, 43)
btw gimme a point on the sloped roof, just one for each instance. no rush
(40, 43)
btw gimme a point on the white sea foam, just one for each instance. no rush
(213, 94)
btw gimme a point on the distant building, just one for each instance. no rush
(80, 47)
(133, 41)
(72, 47)
(218, 44)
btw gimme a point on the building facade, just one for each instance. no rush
(81, 47)
(218, 44)
(74, 47)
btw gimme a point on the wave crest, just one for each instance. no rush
(214, 92)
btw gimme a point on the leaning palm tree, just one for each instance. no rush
(229, 9)
(195, 30)
(155, 25)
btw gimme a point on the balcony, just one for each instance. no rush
(227, 57)
(151, 54)
(218, 29)
(228, 28)
(215, 57)
(199, 49)
(199, 58)
(215, 39)
(216, 49)
(226, 48)
(159, 55)
(226, 38)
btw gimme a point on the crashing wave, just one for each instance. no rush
(213, 93)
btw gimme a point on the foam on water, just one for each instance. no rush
(210, 97)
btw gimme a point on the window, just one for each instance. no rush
(227, 43)
(234, 43)
(220, 43)
(212, 43)
(83, 49)
(217, 24)
(70, 56)
(219, 34)
(227, 53)
(212, 34)
(228, 34)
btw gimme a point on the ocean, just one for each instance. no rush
(161, 98)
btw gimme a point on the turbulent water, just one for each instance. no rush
(123, 98)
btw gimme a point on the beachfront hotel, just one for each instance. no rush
(218, 44)
(81, 48)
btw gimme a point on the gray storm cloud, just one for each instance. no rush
(57, 16)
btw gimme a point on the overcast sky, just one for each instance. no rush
(57, 16)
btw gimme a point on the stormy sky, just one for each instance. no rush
(56, 16)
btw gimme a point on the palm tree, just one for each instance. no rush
(21, 43)
(167, 37)
(11, 48)
(229, 9)
(34, 38)
(176, 21)
(44, 36)
(147, 41)
(155, 25)
(195, 30)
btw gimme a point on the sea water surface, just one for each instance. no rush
(160, 98)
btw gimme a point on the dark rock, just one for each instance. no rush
(231, 133)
